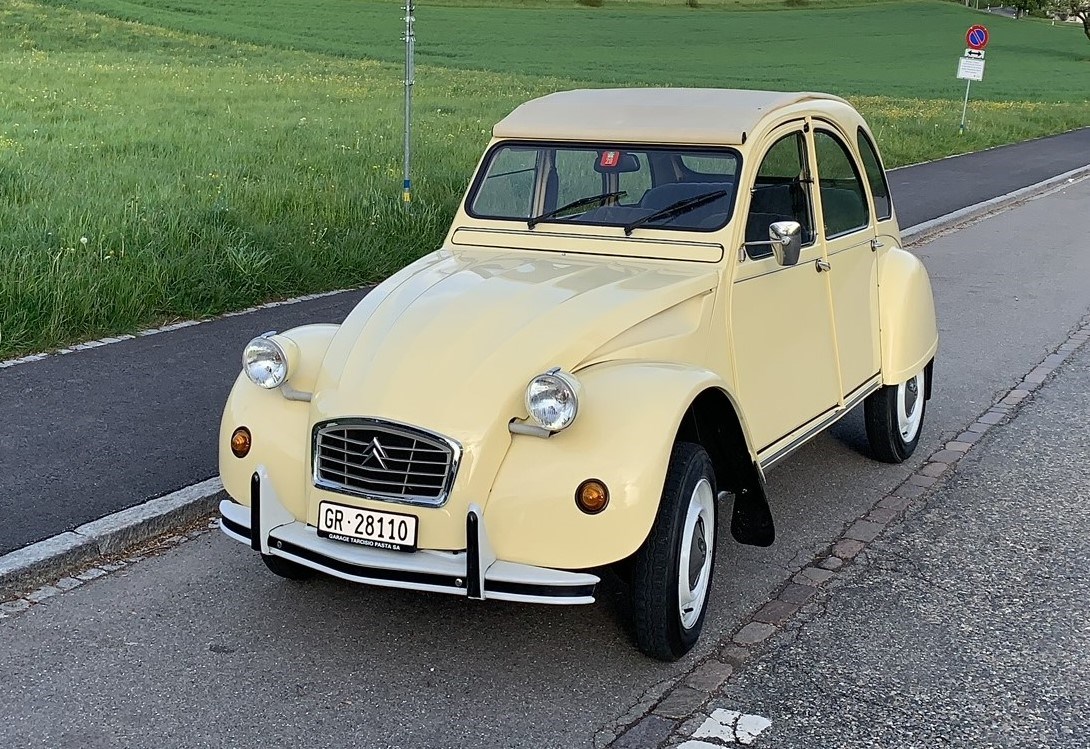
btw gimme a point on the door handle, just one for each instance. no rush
(875, 244)
(821, 265)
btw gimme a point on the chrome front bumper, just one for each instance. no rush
(473, 573)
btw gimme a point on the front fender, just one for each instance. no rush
(278, 426)
(910, 335)
(624, 435)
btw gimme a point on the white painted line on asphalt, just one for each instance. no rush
(729, 726)
(27, 359)
(909, 235)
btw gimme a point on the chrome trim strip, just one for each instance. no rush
(834, 415)
(292, 394)
(397, 428)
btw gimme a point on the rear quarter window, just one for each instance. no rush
(876, 177)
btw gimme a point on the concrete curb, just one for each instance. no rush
(25, 568)
(930, 229)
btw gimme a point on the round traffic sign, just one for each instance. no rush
(977, 37)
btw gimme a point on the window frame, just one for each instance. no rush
(763, 252)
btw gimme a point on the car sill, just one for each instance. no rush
(778, 450)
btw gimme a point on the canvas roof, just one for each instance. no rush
(648, 115)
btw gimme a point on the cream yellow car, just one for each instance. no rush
(647, 299)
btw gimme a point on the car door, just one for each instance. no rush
(847, 231)
(781, 320)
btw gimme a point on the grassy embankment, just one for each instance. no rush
(218, 154)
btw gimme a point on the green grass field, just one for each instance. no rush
(163, 160)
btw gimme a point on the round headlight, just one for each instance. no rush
(553, 399)
(265, 363)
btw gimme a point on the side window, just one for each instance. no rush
(843, 197)
(876, 175)
(780, 193)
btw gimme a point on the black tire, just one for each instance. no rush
(287, 569)
(660, 630)
(887, 442)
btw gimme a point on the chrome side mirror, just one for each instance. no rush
(786, 240)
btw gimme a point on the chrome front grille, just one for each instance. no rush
(384, 460)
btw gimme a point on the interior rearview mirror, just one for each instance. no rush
(786, 240)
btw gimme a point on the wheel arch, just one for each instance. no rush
(713, 421)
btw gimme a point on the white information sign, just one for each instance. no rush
(970, 69)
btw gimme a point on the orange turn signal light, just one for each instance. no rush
(240, 442)
(592, 496)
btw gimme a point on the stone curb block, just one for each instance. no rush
(929, 229)
(31, 565)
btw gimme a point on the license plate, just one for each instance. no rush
(383, 530)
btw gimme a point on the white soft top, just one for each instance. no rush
(706, 116)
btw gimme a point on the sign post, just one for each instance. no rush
(971, 66)
(410, 74)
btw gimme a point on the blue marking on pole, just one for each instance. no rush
(408, 184)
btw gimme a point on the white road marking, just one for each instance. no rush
(908, 236)
(166, 328)
(730, 726)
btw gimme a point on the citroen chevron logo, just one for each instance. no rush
(374, 450)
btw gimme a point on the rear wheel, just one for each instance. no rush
(286, 569)
(672, 571)
(894, 416)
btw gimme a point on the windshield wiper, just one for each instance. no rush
(676, 209)
(589, 200)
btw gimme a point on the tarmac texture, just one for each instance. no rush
(968, 625)
(201, 647)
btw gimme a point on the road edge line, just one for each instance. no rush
(909, 236)
(44, 560)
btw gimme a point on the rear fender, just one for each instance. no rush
(910, 334)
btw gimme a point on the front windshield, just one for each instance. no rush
(674, 188)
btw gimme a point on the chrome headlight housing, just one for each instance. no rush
(552, 399)
(265, 363)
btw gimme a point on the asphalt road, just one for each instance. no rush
(968, 625)
(91, 433)
(201, 647)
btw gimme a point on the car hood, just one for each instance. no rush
(450, 342)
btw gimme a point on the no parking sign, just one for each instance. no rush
(977, 37)
(971, 66)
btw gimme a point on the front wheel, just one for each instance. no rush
(672, 571)
(894, 418)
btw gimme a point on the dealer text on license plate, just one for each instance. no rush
(384, 530)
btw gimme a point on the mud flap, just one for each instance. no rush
(751, 523)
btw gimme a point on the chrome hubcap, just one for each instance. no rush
(697, 542)
(910, 407)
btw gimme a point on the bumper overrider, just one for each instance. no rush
(474, 573)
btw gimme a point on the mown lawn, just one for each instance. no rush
(222, 152)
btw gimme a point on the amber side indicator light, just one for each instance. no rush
(240, 442)
(592, 496)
